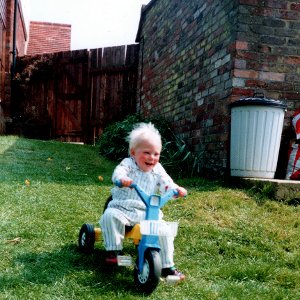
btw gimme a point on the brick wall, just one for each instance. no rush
(21, 34)
(268, 58)
(198, 56)
(48, 38)
(6, 39)
(187, 71)
(2, 62)
(268, 55)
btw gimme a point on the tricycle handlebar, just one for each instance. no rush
(145, 197)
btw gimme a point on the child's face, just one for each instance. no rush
(146, 155)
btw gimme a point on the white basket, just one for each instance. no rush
(159, 228)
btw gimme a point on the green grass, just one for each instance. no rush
(229, 245)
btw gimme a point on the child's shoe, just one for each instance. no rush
(173, 272)
(112, 258)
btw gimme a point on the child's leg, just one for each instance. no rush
(166, 251)
(113, 223)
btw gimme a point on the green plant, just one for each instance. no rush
(40, 66)
(262, 191)
(176, 156)
(179, 160)
(112, 143)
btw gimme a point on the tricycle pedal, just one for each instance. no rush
(172, 279)
(125, 261)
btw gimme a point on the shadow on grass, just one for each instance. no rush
(68, 264)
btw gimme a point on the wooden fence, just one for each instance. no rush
(73, 95)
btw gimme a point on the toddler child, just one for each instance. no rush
(126, 208)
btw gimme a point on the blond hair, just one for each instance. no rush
(144, 132)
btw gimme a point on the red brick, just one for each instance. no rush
(47, 37)
(295, 6)
(290, 96)
(272, 76)
(240, 64)
(245, 74)
(240, 45)
(249, 2)
(242, 92)
(276, 4)
(246, 55)
(261, 11)
(256, 83)
(289, 15)
(292, 60)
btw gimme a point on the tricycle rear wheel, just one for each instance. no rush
(86, 239)
(147, 280)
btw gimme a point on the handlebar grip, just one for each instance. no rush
(118, 183)
(175, 193)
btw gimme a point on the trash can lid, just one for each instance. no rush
(260, 101)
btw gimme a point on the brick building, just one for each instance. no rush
(198, 56)
(48, 38)
(44, 38)
(10, 17)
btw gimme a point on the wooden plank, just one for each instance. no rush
(69, 119)
(100, 55)
(93, 58)
(112, 69)
(132, 55)
(71, 94)
(119, 55)
(106, 57)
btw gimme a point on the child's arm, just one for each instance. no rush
(166, 183)
(121, 173)
(126, 181)
(182, 192)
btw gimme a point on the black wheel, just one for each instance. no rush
(148, 279)
(86, 238)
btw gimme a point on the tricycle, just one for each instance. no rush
(148, 267)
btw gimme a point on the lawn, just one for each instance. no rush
(230, 244)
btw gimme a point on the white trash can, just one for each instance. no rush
(256, 128)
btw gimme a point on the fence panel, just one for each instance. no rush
(70, 101)
(85, 91)
(112, 96)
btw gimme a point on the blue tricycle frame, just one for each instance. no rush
(147, 270)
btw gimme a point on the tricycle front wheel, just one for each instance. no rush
(147, 280)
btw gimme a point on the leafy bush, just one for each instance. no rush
(176, 156)
(112, 143)
(178, 160)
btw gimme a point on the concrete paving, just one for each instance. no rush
(284, 190)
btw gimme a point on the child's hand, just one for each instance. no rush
(126, 181)
(182, 192)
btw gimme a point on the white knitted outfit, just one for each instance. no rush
(127, 208)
